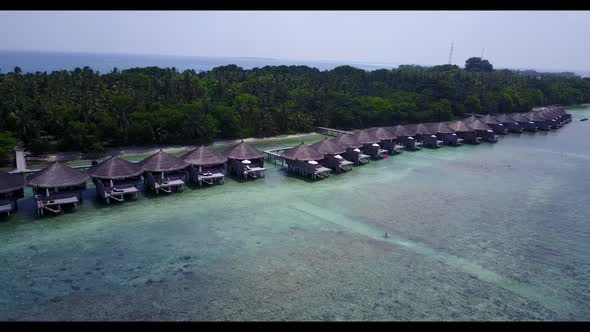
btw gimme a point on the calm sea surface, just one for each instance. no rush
(489, 232)
(49, 61)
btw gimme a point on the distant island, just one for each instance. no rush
(89, 111)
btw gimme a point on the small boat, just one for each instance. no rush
(584, 119)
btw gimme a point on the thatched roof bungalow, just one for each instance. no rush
(164, 172)
(509, 123)
(116, 179)
(542, 120)
(305, 160)
(496, 125)
(404, 137)
(444, 133)
(481, 129)
(388, 139)
(208, 166)
(57, 185)
(524, 122)
(353, 148)
(464, 131)
(245, 161)
(370, 144)
(332, 155)
(11, 189)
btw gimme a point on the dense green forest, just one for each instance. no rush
(88, 111)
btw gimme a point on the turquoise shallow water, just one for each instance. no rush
(489, 232)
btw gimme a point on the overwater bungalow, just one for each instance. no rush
(509, 123)
(422, 133)
(116, 179)
(11, 190)
(543, 121)
(370, 144)
(245, 161)
(388, 139)
(481, 129)
(208, 166)
(57, 186)
(164, 172)
(524, 122)
(556, 120)
(496, 125)
(557, 116)
(464, 131)
(332, 155)
(353, 149)
(306, 161)
(445, 134)
(404, 137)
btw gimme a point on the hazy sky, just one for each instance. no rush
(519, 39)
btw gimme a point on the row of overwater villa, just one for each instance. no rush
(116, 180)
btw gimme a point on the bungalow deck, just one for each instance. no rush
(169, 186)
(210, 179)
(54, 203)
(6, 207)
(117, 192)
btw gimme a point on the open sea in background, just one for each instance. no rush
(33, 61)
(488, 232)
(30, 61)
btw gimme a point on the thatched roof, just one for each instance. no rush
(11, 182)
(347, 141)
(419, 129)
(490, 119)
(327, 146)
(365, 137)
(303, 152)
(163, 162)
(440, 128)
(476, 123)
(202, 156)
(460, 126)
(115, 168)
(57, 175)
(382, 133)
(505, 118)
(243, 151)
(537, 116)
(518, 117)
(399, 130)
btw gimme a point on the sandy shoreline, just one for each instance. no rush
(73, 156)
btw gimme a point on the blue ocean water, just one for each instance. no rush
(49, 61)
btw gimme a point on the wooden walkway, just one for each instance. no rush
(275, 155)
(331, 131)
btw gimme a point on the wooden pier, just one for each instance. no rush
(331, 131)
(275, 155)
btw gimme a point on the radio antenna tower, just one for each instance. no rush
(482, 53)
(451, 54)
